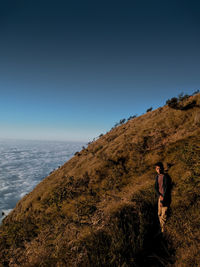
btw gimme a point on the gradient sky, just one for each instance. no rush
(69, 70)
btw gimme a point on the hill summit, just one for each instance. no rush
(100, 207)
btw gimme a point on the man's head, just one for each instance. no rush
(159, 167)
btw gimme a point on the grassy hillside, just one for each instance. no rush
(100, 208)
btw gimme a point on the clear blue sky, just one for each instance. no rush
(69, 70)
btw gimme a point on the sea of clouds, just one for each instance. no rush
(23, 164)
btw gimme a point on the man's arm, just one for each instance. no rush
(166, 187)
(157, 187)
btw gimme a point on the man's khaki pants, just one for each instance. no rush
(162, 215)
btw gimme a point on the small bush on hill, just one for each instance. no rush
(182, 97)
(172, 103)
(149, 109)
(122, 121)
(180, 103)
(131, 117)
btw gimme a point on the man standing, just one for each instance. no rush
(163, 188)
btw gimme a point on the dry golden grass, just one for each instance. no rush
(99, 208)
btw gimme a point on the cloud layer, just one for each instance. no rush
(23, 164)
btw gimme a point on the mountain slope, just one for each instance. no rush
(99, 208)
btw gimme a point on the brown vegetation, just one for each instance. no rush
(99, 208)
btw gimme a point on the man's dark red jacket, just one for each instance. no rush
(166, 185)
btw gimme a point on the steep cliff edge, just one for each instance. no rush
(99, 208)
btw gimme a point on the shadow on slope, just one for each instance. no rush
(128, 237)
